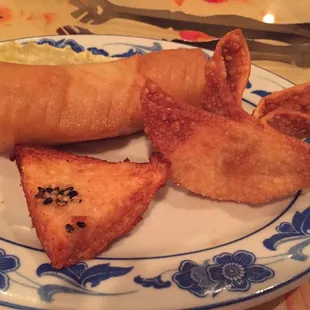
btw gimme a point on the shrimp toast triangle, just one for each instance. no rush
(221, 158)
(79, 205)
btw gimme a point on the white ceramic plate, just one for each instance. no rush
(188, 252)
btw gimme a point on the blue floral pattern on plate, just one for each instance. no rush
(8, 263)
(155, 282)
(133, 50)
(233, 272)
(78, 276)
(238, 271)
(298, 229)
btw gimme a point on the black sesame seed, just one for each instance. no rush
(69, 188)
(73, 194)
(80, 200)
(61, 192)
(48, 201)
(69, 228)
(41, 189)
(49, 189)
(81, 224)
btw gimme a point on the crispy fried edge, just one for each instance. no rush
(168, 146)
(228, 105)
(284, 121)
(156, 158)
(275, 100)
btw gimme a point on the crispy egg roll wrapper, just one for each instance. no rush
(44, 104)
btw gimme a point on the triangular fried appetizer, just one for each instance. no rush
(221, 158)
(287, 111)
(288, 122)
(227, 74)
(79, 204)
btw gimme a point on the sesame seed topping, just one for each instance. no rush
(48, 200)
(73, 194)
(81, 224)
(60, 197)
(69, 228)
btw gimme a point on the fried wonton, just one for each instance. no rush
(287, 111)
(291, 123)
(296, 98)
(221, 158)
(227, 74)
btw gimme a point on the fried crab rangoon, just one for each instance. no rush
(222, 158)
(227, 73)
(288, 111)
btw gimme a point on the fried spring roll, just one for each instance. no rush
(46, 105)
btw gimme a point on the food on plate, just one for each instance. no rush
(44, 54)
(79, 205)
(288, 111)
(296, 98)
(289, 122)
(227, 74)
(221, 158)
(48, 105)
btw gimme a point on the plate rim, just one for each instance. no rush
(290, 205)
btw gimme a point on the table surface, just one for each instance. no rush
(20, 18)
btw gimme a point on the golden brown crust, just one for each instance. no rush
(227, 74)
(287, 111)
(69, 103)
(288, 122)
(174, 135)
(296, 98)
(224, 159)
(112, 198)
